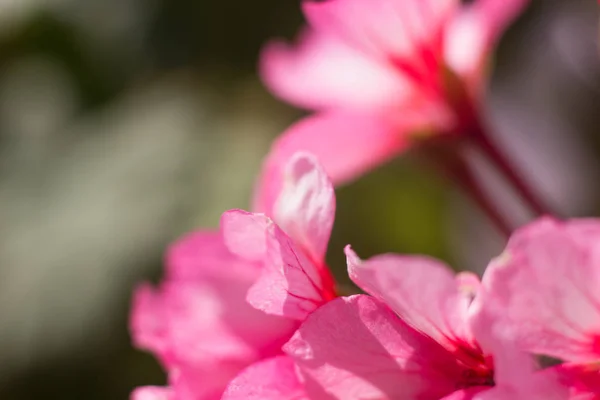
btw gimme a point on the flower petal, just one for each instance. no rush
(204, 333)
(517, 380)
(147, 320)
(583, 380)
(195, 324)
(545, 289)
(205, 383)
(472, 33)
(152, 393)
(201, 255)
(388, 28)
(496, 15)
(322, 72)
(272, 379)
(198, 323)
(467, 50)
(244, 234)
(346, 144)
(290, 283)
(356, 347)
(423, 291)
(305, 210)
(466, 394)
(516, 373)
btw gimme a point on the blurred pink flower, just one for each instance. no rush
(152, 393)
(417, 338)
(378, 72)
(199, 322)
(545, 290)
(272, 379)
(291, 244)
(583, 380)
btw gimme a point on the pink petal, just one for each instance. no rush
(322, 72)
(516, 373)
(357, 348)
(198, 327)
(511, 394)
(244, 234)
(205, 331)
(198, 323)
(291, 285)
(200, 309)
(512, 368)
(516, 377)
(272, 379)
(388, 28)
(422, 291)
(542, 385)
(346, 144)
(207, 383)
(152, 393)
(466, 394)
(496, 15)
(147, 322)
(201, 255)
(467, 50)
(305, 210)
(585, 230)
(583, 380)
(545, 289)
(472, 34)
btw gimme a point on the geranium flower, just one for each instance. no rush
(380, 73)
(198, 321)
(545, 289)
(291, 245)
(417, 337)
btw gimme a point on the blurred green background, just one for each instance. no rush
(125, 123)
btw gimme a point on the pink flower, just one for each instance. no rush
(583, 380)
(272, 379)
(417, 338)
(199, 323)
(545, 289)
(152, 393)
(291, 245)
(379, 72)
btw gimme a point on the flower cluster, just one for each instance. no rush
(381, 75)
(252, 311)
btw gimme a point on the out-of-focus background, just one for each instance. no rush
(125, 123)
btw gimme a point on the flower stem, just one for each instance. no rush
(481, 140)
